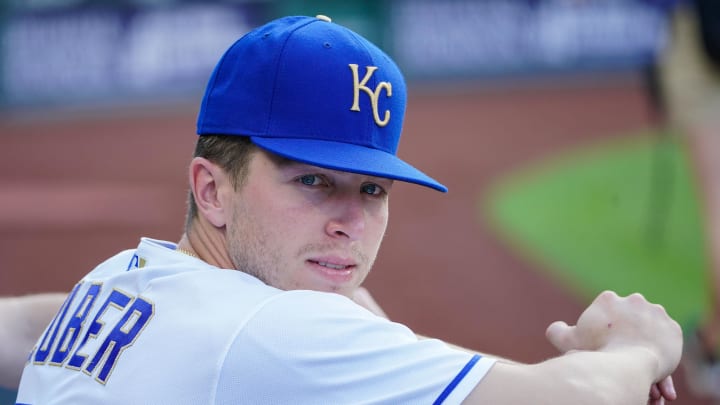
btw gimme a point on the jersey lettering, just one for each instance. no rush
(121, 337)
(72, 330)
(117, 300)
(113, 328)
(48, 340)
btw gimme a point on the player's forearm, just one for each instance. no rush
(24, 319)
(614, 377)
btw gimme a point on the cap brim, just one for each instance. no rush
(348, 158)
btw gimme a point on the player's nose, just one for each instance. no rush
(348, 220)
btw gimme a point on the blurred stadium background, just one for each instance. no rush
(97, 113)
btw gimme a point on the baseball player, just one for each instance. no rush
(299, 129)
(690, 82)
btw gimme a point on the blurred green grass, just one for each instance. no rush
(623, 215)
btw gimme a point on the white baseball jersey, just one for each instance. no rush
(155, 326)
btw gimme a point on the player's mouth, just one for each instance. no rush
(337, 271)
(331, 265)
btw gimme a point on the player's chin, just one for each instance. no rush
(346, 289)
(345, 285)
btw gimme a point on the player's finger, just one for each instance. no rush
(655, 393)
(667, 388)
(561, 336)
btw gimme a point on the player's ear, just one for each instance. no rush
(209, 183)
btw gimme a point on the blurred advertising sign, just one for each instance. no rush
(109, 53)
(435, 38)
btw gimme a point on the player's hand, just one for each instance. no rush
(362, 297)
(664, 390)
(612, 322)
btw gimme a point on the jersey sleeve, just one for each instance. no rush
(309, 347)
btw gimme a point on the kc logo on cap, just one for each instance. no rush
(373, 94)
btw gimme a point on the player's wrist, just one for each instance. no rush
(643, 355)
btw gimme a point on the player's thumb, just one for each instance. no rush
(561, 336)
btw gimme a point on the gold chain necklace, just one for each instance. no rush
(186, 252)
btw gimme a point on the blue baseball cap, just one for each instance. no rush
(312, 91)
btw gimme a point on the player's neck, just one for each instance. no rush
(207, 243)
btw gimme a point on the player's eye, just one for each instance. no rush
(372, 189)
(311, 180)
